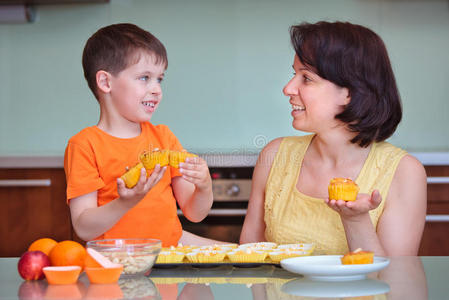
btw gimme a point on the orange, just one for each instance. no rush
(45, 245)
(68, 253)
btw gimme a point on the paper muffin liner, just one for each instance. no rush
(277, 256)
(343, 189)
(170, 257)
(206, 256)
(244, 257)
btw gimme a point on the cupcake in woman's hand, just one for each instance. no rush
(343, 189)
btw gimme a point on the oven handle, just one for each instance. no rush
(437, 218)
(232, 212)
(438, 180)
(24, 182)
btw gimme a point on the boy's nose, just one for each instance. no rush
(156, 89)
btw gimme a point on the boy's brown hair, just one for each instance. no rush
(115, 47)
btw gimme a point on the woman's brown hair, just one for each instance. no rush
(354, 57)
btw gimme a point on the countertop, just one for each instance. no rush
(404, 278)
(212, 159)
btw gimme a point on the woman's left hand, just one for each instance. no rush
(196, 171)
(363, 204)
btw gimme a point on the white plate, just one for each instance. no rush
(339, 289)
(329, 267)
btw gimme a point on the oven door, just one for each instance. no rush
(225, 219)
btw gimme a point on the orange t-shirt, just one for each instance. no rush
(94, 160)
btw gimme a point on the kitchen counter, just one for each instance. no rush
(213, 160)
(404, 278)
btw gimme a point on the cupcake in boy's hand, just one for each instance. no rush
(358, 257)
(149, 159)
(343, 189)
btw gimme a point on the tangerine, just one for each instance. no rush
(68, 253)
(45, 245)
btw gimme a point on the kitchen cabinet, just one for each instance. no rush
(33, 206)
(435, 239)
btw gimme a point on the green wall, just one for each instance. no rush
(228, 63)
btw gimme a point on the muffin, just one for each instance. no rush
(247, 255)
(150, 159)
(259, 245)
(131, 177)
(358, 257)
(207, 256)
(343, 189)
(177, 157)
(277, 255)
(170, 257)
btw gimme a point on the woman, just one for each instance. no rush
(344, 92)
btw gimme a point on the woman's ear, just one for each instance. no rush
(103, 79)
(347, 96)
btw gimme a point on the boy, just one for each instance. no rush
(124, 66)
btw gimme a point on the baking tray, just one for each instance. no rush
(214, 265)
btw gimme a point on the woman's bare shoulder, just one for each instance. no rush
(410, 167)
(268, 153)
(410, 180)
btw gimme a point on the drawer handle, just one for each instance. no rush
(437, 218)
(438, 180)
(223, 212)
(24, 182)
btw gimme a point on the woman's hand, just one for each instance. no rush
(195, 170)
(351, 209)
(135, 194)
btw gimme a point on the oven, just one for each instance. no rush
(231, 184)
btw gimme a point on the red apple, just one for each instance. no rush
(31, 264)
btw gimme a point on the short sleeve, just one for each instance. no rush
(81, 171)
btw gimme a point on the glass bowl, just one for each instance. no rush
(136, 255)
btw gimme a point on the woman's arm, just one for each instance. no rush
(401, 224)
(254, 225)
(193, 191)
(90, 220)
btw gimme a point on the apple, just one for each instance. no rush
(31, 264)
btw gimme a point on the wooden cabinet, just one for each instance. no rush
(435, 239)
(33, 206)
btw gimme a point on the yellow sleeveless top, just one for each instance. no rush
(293, 217)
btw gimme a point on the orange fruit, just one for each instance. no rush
(45, 245)
(68, 253)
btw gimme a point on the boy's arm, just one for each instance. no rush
(193, 190)
(90, 220)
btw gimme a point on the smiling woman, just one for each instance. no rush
(351, 105)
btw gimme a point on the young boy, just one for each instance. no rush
(124, 66)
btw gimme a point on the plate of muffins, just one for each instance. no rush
(244, 255)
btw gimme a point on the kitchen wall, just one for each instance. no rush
(228, 63)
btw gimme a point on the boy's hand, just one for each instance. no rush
(195, 170)
(350, 209)
(134, 195)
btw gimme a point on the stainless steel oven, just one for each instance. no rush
(231, 183)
